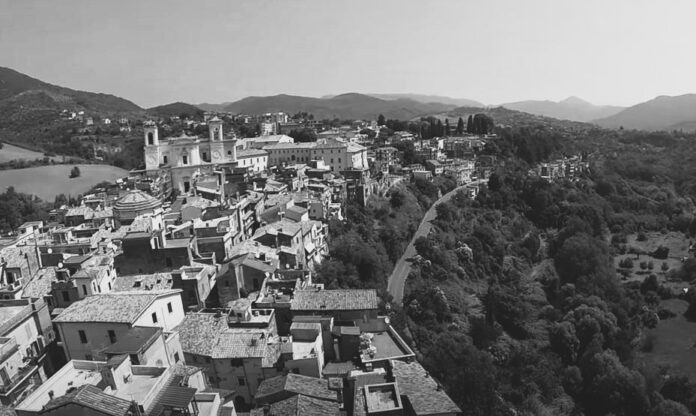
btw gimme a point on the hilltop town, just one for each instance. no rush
(190, 287)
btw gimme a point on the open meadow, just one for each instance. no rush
(48, 181)
(12, 152)
(672, 343)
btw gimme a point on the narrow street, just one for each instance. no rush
(402, 268)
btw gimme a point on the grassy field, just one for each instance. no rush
(678, 246)
(48, 181)
(674, 341)
(11, 152)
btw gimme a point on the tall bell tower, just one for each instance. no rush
(152, 151)
(217, 148)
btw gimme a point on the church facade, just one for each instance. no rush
(188, 156)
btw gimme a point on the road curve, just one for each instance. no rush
(402, 268)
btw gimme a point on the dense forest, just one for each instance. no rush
(518, 307)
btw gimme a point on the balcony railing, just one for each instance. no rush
(22, 374)
(8, 346)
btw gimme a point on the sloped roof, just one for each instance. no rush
(120, 307)
(317, 388)
(421, 389)
(339, 299)
(208, 335)
(300, 405)
(40, 285)
(93, 398)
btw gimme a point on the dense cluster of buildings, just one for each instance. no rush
(187, 289)
(563, 168)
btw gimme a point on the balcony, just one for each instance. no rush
(22, 375)
(8, 346)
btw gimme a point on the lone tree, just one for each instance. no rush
(470, 124)
(380, 120)
(74, 172)
(460, 126)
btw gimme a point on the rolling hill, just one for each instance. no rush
(175, 109)
(344, 106)
(661, 113)
(13, 85)
(30, 113)
(572, 108)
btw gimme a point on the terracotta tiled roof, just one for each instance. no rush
(122, 307)
(340, 299)
(208, 335)
(421, 389)
(40, 285)
(93, 398)
(317, 388)
(300, 405)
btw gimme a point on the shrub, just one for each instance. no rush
(626, 263)
(643, 265)
(664, 266)
(642, 237)
(74, 172)
(661, 253)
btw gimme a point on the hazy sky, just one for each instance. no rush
(155, 52)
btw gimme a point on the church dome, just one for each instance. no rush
(135, 203)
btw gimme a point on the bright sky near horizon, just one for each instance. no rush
(158, 51)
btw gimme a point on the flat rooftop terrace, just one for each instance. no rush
(382, 398)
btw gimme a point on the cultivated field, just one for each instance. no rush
(48, 181)
(11, 152)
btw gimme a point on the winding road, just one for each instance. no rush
(402, 268)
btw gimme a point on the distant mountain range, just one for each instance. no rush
(661, 113)
(27, 103)
(421, 98)
(572, 108)
(344, 106)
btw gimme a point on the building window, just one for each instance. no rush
(241, 381)
(165, 159)
(236, 362)
(84, 290)
(229, 152)
(185, 159)
(83, 336)
(150, 138)
(88, 357)
(169, 307)
(109, 286)
(112, 336)
(66, 296)
(176, 357)
(154, 317)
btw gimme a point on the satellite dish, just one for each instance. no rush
(60, 264)
(50, 250)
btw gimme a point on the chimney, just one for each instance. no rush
(266, 409)
(51, 394)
